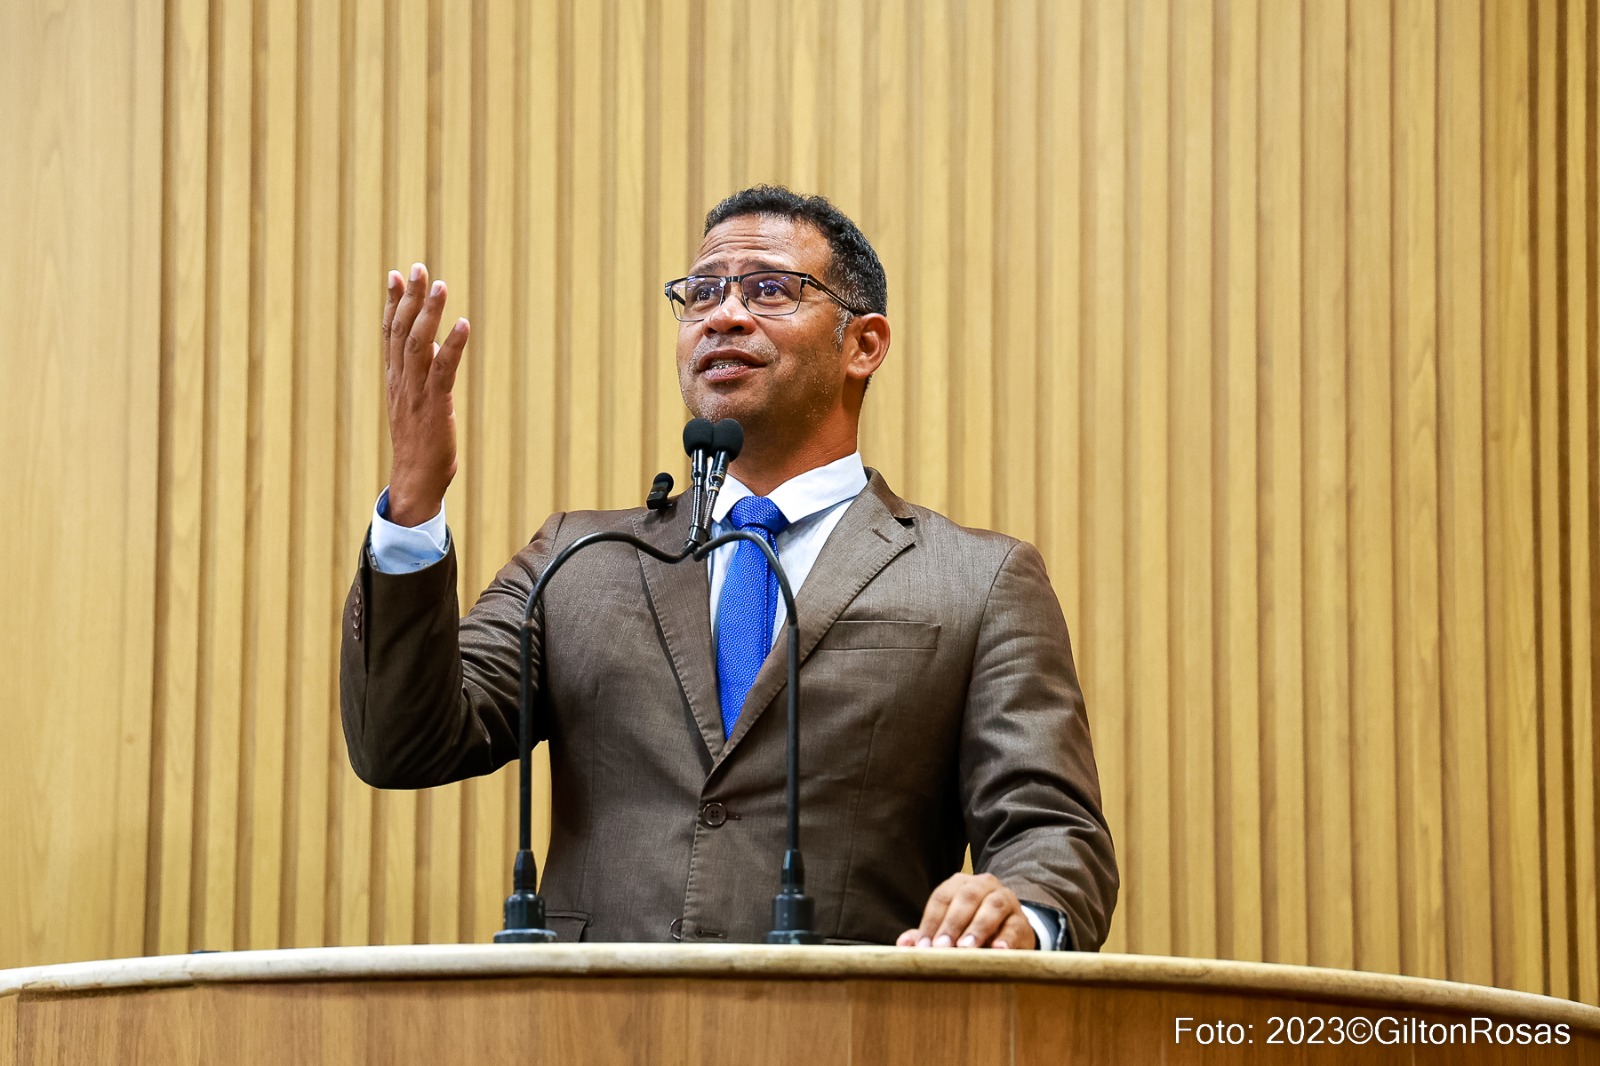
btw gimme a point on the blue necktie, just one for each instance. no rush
(749, 601)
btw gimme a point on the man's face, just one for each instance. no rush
(781, 375)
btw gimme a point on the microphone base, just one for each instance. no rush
(793, 912)
(525, 936)
(524, 913)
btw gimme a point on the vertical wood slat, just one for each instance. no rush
(1582, 162)
(1101, 413)
(455, 822)
(925, 338)
(1061, 165)
(1509, 499)
(1279, 538)
(405, 239)
(973, 286)
(139, 187)
(1371, 268)
(1271, 323)
(626, 480)
(349, 909)
(183, 404)
(315, 559)
(1145, 661)
(223, 499)
(274, 306)
(1191, 403)
(1326, 520)
(1420, 932)
(1546, 371)
(884, 422)
(1240, 823)
(1463, 450)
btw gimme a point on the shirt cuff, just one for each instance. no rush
(1046, 926)
(399, 549)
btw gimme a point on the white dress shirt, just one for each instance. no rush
(813, 502)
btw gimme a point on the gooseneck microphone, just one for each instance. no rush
(698, 437)
(727, 441)
(711, 448)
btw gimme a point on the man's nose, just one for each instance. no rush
(731, 315)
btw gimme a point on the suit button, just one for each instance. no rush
(676, 928)
(713, 814)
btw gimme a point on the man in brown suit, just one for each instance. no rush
(940, 707)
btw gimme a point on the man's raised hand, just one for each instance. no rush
(420, 374)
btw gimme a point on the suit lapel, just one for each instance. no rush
(869, 535)
(680, 596)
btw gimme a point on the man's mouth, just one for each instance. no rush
(726, 365)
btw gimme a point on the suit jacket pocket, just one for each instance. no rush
(874, 634)
(567, 925)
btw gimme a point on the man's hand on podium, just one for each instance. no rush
(971, 911)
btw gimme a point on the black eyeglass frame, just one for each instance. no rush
(677, 301)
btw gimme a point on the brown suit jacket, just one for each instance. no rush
(939, 706)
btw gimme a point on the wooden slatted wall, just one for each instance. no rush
(1274, 324)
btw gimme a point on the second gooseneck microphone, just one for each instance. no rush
(727, 440)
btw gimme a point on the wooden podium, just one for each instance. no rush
(619, 1003)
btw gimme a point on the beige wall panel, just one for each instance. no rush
(1272, 324)
(79, 421)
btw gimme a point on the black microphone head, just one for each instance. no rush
(698, 435)
(729, 438)
(660, 489)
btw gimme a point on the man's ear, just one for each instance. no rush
(867, 342)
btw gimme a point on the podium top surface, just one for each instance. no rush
(466, 961)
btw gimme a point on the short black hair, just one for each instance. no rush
(855, 271)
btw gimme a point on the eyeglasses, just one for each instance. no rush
(768, 293)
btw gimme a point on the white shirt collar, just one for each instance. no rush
(804, 494)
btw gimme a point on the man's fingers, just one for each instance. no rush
(447, 360)
(989, 918)
(1016, 932)
(424, 334)
(933, 913)
(405, 316)
(959, 914)
(410, 304)
(394, 286)
(908, 939)
(986, 921)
